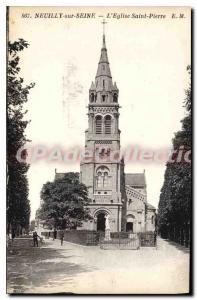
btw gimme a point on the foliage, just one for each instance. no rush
(64, 202)
(32, 225)
(176, 194)
(18, 206)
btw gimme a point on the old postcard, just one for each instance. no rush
(99, 150)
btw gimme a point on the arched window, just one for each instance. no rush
(107, 124)
(98, 124)
(102, 177)
(103, 98)
(99, 180)
(105, 180)
(152, 220)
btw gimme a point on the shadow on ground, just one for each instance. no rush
(179, 247)
(31, 267)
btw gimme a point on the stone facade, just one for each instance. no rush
(113, 193)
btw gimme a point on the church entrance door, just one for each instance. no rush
(129, 226)
(101, 222)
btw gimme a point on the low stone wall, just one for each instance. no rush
(81, 237)
(22, 242)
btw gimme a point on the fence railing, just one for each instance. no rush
(148, 239)
(118, 240)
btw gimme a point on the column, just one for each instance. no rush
(91, 118)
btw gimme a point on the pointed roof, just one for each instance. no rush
(92, 88)
(104, 44)
(115, 88)
(103, 65)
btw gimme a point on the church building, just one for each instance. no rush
(120, 197)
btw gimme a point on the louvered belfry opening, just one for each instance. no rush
(98, 124)
(107, 125)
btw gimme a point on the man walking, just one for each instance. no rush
(61, 236)
(35, 239)
(54, 234)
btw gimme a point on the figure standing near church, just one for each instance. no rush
(107, 225)
(107, 228)
(35, 239)
(61, 234)
(54, 234)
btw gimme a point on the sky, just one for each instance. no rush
(148, 59)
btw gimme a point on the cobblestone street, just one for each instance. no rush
(70, 268)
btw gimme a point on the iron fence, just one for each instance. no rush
(148, 239)
(121, 241)
(117, 240)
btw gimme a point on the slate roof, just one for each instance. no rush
(135, 179)
(150, 206)
(59, 175)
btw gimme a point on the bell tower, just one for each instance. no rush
(101, 168)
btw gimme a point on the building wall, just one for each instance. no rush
(114, 213)
(150, 220)
(136, 210)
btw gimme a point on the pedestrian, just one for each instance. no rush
(54, 234)
(35, 239)
(61, 236)
(13, 235)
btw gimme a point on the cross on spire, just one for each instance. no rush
(104, 22)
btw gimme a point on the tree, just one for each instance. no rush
(18, 205)
(64, 202)
(176, 194)
(32, 225)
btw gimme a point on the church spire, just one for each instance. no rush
(103, 90)
(104, 44)
(103, 57)
(103, 74)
